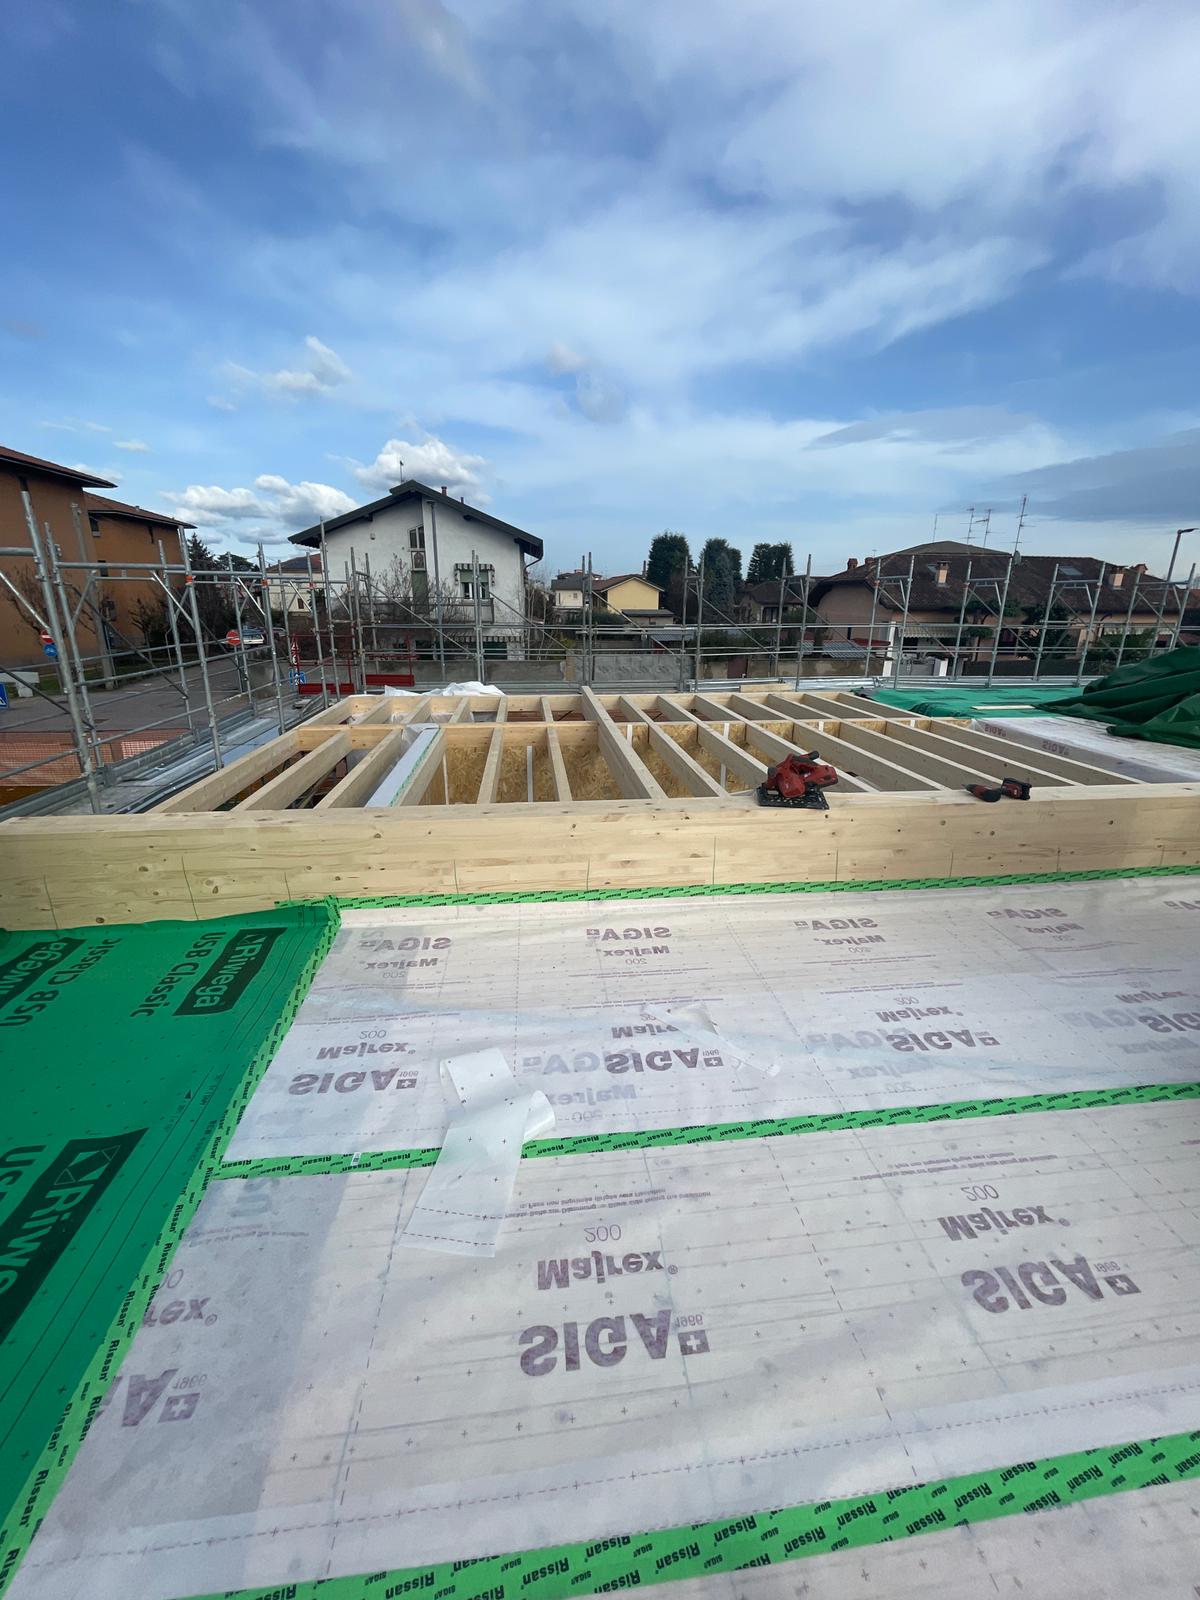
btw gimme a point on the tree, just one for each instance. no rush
(769, 563)
(711, 548)
(720, 592)
(667, 567)
(232, 562)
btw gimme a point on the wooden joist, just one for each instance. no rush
(850, 757)
(985, 767)
(685, 767)
(490, 781)
(1016, 758)
(362, 781)
(775, 749)
(558, 767)
(737, 759)
(279, 792)
(230, 781)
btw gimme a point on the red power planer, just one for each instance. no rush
(797, 782)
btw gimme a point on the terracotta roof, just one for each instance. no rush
(298, 564)
(52, 469)
(103, 507)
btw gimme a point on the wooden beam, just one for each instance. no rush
(733, 755)
(934, 769)
(490, 780)
(558, 767)
(218, 787)
(1014, 756)
(634, 713)
(593, 711)
(462, 711)
(502, 708)
(853, 707)
(850, 757)
(547, 709)
(631, 776)
(776, 749)
(362, 781)
(714, 710)
(990, 768)
(796, 710)
(280, 791)
(381, 709)
(61, 872)
(674, 712)
(753, 710)
(688, 770)
(428, 767)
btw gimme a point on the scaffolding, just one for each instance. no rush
(301, 638)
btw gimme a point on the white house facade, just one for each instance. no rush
(430, 539)
(289, 588)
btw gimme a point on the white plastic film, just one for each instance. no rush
(859, 1000)
(663, 1336)
(465, 1198)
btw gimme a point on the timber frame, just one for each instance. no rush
(413, 795)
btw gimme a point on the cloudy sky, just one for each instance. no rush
(765, 269)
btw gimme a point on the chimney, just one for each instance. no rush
(943, 572)
(444, 489)
(870, 562)
(851, 563)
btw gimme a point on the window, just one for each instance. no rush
(94, 524)
(416, 538)
(466, 588)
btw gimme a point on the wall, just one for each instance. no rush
(386, 536)
(633, 595)
(122, 539)
(61, 505)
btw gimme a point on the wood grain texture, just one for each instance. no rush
(67, 871)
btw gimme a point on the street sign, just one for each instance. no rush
(3, 697)
(50, 650)
(297, 678)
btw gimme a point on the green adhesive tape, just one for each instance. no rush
(721, 1132)
(764, 1538)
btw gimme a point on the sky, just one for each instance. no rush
(772, 269)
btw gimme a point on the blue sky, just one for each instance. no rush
(778, 269)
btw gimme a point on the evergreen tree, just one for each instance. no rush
(769, 563)
(720, 591)
(667, 568)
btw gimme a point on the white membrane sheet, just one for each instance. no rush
(1119, 1547)
(1080, 740)
(823, 1003)
(663, 1337)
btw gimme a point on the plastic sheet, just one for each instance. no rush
(861, 1000)
(663, 1337)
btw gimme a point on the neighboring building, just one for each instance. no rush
(844, 601)
(415, 536)
(633, 596)
(125, 533)
(57, 495)
(567, 590)
(289, 588)
(762, 599)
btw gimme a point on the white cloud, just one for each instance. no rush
(433, 462)
(299, 504)
(561, 359)
(215, 504)
(134, 446)
(272, 500)
(323, 371)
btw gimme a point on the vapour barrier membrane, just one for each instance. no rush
(664, 1337)
(465, 1199)
(650, 1014)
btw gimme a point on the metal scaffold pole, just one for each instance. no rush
(437, 590)
(356, 622)
(1183, 600)
(201, 655)
(999, 621)
(1091, 622)
(903, 623)
(699, 621)
(803, 621)
(478, 617)
(1128, 621)
(775, 667)
(176, 646)
(962, 617)
(1037, 660)
(269, 626)
(54, 628)
(871, 624)
(243, 659)
(327, 582)
(316, 627)
(68, 620)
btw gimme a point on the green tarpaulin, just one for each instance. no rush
(969, 700)
(128, 1053)
(1157, 699)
